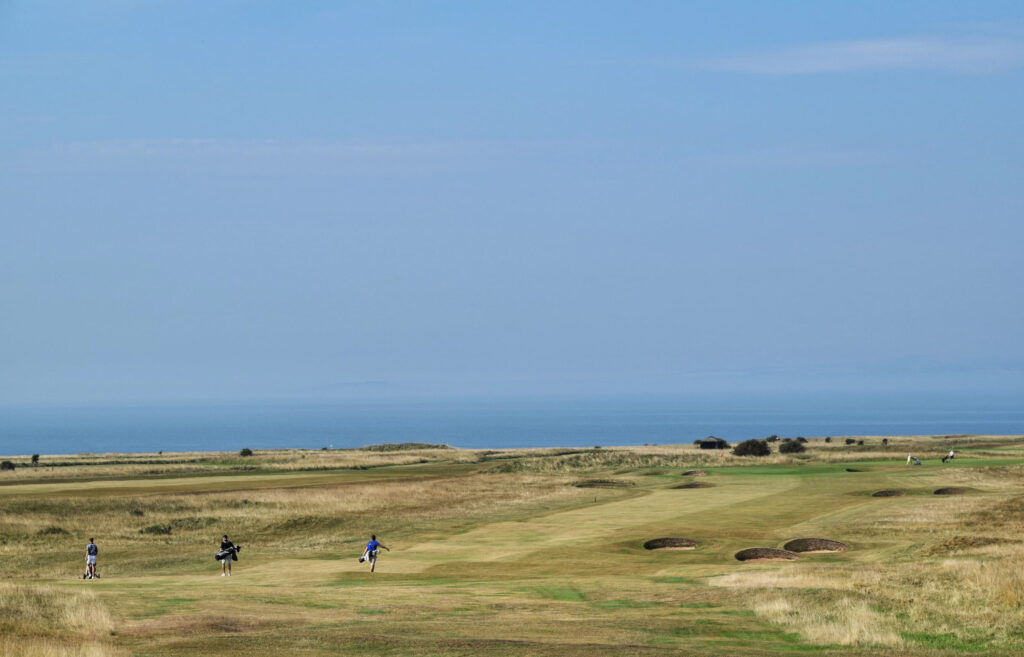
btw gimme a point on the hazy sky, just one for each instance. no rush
(245, 200)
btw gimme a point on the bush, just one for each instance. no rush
(53, 530)
(159, 530)
(860, 442)
(850, 441)
(885, 441)
(772, 438)
(752, 447)
(791, 447)
(6, 465)
(245, 452)
(35, 459)
(828, 439)
(801, 439)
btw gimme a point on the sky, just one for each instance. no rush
(222, 201)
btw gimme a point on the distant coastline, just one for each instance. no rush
(484, 424)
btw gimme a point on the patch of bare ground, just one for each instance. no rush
(696, 484)
(814, 545)
(955, 544)
(765, 554)
(887, 493)
(604, 483)
(193, 626)
(670, 544)
(695, 473)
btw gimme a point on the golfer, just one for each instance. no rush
(90, 559)
(228, 548)
(948, 457)
(372, 550)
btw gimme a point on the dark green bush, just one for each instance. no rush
(791, 447)
(6, 465)
(159, 530)
(245, 452)
(752, 447)
(772, 438)
(828, 439)
(53, 531)
(35, 459)
(850, 441)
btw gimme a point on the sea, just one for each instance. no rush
(490, 423)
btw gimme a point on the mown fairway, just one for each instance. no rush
(499, 553)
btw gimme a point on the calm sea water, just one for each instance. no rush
(487, 424)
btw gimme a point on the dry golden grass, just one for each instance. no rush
(41, 621)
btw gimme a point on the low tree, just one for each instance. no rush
(245, 452)
(35, 459)
(850, 441)
(6, 465)
(791, 447)
(752, 447)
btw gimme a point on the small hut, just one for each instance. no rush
(711, 442)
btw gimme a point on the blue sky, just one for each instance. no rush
(245, 200)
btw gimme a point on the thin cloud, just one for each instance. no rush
(266, 157)
(964, 55)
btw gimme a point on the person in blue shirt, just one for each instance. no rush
(90, 560)
(372, 550)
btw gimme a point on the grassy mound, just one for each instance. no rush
(695, 473)
(815, 545)
(953, 490)
(765, 554)
(670, 544)
(696, 484)
(889, 492)
(603, 483)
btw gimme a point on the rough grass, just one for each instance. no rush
(496, 553)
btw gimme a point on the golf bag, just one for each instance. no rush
(231, 551)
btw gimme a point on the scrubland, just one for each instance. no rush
(500, 552)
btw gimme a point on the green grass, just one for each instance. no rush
(514, 560)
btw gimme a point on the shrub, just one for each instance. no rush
(53, 530)
(752, 447)
(850, 441)
(772, 438)
(159, 530)
(828, 439)
(245, 452)
(6, 465)
(801, 439)
(885, 441)
(860, 442)
(35, 459)
(791, 447)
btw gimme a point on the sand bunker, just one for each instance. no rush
(812, 545)
(670, 544)
(696, 484)
(887, 493)
(695, 473)
(603, 483)
(853, 470)
(951, 491)
(765, 554)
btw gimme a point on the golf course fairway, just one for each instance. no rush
(520, 552)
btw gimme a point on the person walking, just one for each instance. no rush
(227, 548)
(91, 551)
(372, 550)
